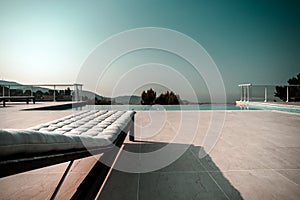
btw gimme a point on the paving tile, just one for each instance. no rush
(197, 185)
(70, 185)
(84, 164)
(120, 185)
(225, 157)
(260, 184)
(291, 174)
(275, 158)
(186, 162)
(27, 119)
(256, 157)
(29, 186)
(226, 186)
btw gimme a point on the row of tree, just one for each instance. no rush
(168, 98)
(294, 92)
(39, 95)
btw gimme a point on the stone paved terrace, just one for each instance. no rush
(256, 157)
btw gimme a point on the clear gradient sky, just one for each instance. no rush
(250, 41)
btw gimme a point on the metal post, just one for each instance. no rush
(248, 93)
(3, 90)
(241, 93)
(266, 94)
(245, 94)
(9, 90)
(75, 92)
(31, 94)
(287, 93)
(80, 92)
(54, 94)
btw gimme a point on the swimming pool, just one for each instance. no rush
(250, 106)
(168, 107)
(270, 106)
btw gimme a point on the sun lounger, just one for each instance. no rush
(26, 98)
(66, 139)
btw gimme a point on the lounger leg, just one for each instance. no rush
(92, 183)
(131, 130)
(61, 180)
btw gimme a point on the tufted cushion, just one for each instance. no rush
(80, 130)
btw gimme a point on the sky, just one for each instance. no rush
(249, 41)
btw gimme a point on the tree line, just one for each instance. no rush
(167, 98)
(39, 95)
(294, 92)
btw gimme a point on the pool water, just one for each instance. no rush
(168, 107)
(284, 108)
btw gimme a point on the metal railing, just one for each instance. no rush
(75, 90)
(247, 93)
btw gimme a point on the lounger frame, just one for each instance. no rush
(22, 163)
(27, 98)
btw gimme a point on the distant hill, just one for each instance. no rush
(3, 82)
(19, 86)
(136, 100)
(92, 95)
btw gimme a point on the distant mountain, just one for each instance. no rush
(92, 95)
(3, 82)
(18, 86)
(185, 102)
(136, 100)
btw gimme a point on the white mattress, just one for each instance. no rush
(85, 129)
